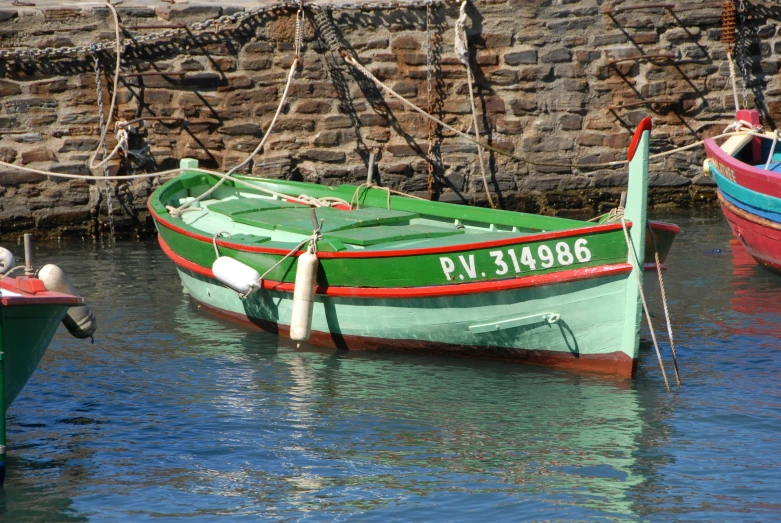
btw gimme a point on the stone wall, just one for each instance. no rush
(547, 90)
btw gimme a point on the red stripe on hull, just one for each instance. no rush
(394, 253)
(616, 364)
(425, 292)
(761, 237)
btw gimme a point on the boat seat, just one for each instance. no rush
(299, 221)
(246, 238)
(773, 167)
(242, 206)
(366, 236)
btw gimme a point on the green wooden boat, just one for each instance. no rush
(412, 275)
(29, 317)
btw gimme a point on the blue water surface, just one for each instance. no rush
(174, 414)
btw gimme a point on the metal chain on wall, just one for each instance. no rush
(219, 23)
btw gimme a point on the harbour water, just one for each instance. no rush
(173, 414)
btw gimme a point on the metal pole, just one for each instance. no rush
(28, 256)
(370, 173)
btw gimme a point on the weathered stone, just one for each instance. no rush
(556, 56)
(87, 144)
(322, 155)
(9, 89)
(242, 129)
(8, 14)
(406, 43)
(327, 139)
(521, 57)
(7, 154)
(337, 122)
(313, 106)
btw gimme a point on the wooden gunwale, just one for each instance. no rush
(40, 298)
(747, 176)
(392, 253)
(426, 291)
(763, 222)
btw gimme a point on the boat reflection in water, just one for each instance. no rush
(756, 296)
(385, 427)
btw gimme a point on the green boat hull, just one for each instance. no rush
(507, 325)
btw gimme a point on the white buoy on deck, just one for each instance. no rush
(239, 277)
(304, 297)
(80, 321)
(7, 260)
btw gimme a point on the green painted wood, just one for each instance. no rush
(635, 211)
(27, 331)
(468, 265)
(366, 236)
(237, 206)
(298, 220)
(589, 322)
(374, 198)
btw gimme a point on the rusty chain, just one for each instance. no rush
(219, 23)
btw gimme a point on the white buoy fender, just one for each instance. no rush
(304, 297)
(80, 321)
(7, 260)
(239, 277)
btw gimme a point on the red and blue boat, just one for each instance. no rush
(747, 171)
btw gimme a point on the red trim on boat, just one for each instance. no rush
(616, 364)
(748, 176)
(426, 292)
(395, 253)
(760, 237)
(664, 226)
(37, 298)
(645, 125)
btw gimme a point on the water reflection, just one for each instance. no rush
(175, 413)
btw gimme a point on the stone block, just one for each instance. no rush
(38, 155)
(337, 122)
(521, 57)
(322, 155)
(571, 122)
(405, 43)
(327, 139)
(84, 144)
(556, 56)
(9, 89)
(313, 106)
(242, 129)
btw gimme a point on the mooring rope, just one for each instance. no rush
(638, 271)
(461, 47)
(664, 303)
(121, 133)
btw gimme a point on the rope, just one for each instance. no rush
(224, 177)
(462, 53)
(637, 270)
(92, 164)
(732, 79)
(380, 187)
(664, 303)
(173, 172)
